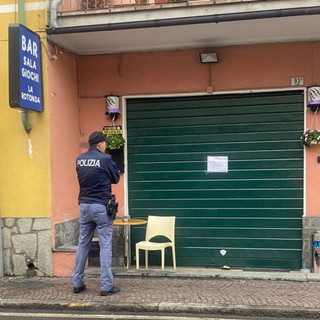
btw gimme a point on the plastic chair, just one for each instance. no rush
(158, 226)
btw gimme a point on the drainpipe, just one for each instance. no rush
(24, 113)
(53, 13)
(25, 121)
(216, 18)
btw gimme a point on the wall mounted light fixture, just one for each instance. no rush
(113, 106)
(313, 94)
(209, 57)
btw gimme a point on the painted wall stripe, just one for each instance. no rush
(34, 6)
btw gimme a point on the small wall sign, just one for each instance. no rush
(25, 69)
(107, 130)
(217, 164)
(297, 82)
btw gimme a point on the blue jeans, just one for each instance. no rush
(94, 216)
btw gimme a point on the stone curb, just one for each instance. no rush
(203, 274)
(164, 307)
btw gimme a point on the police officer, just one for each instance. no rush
(96, 172)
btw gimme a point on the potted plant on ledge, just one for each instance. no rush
(116, 149)
(310, 137)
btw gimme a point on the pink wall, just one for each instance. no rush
(240, 68)
(312, 176)
(71, 121)
(312, 167)
(65, 135)
(90, 78)
(65, 146)
(268, 66)
(63, 263)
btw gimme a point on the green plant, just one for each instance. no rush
(310, 137)
(117, 141)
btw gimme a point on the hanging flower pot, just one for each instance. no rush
(118, 157)
(310, 137)
(117, 141)
(116, 149)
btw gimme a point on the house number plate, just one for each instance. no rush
(297, 82)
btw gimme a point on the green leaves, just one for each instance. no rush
(117, 141)
(310, 137)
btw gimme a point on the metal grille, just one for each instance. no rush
(91, 5)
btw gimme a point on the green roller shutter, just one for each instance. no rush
(253, 211)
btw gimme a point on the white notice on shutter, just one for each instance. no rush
(217, 164)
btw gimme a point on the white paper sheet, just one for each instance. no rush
(217, 164)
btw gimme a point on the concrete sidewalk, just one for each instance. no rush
(205, 291)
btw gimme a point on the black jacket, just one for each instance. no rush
(96, 172)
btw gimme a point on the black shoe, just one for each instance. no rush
(113, 290)
(79, 289)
